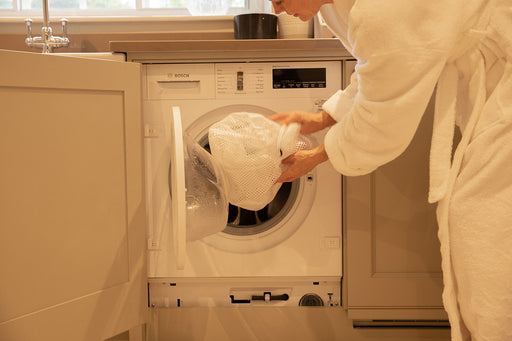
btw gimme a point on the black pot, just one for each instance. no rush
(255, 26)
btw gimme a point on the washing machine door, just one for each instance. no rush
(177, 190)
(248, 231)
(199, 206)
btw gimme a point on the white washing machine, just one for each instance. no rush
(290, 252)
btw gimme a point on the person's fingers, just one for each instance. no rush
(282, 179)
(286, 176)
(288, 159)
(285, 118)
(304, 129)
(278, 116)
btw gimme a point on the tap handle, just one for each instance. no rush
(28, 23)
(64, 24)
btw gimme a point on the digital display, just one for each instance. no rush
(240, 81)
(299, 78)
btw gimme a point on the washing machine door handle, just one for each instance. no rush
(178, 190)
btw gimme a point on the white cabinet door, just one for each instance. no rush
(72, 245)
(393, 252)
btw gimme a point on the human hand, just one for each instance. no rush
(310, 122)
(302, 162)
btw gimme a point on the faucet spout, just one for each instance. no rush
(46, 17)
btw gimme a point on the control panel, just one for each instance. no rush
(293, 80)
(242, 80)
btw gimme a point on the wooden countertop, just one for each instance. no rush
(228, 45)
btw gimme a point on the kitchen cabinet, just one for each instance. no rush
(393, 258)
(72, 243)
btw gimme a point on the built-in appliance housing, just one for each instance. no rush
(290, 253)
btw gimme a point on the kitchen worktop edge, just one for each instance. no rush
(226, 45)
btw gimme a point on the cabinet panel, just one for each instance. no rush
(393, 256)
(64, 190)
(72, 212)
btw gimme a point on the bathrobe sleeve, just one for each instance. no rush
(401, 47)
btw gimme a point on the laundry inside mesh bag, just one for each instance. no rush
(206, 202)
(249, 148)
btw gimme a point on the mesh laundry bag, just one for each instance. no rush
(249, 149)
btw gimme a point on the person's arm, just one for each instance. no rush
(310, 122)
(401, 51)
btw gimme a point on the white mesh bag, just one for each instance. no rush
(249, 149)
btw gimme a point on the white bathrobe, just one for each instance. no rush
(404, 49)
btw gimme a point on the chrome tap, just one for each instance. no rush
(47, 41)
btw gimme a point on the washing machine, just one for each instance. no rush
(287, 254)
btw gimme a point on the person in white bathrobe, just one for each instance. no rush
(406, 50)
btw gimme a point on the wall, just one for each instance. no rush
(93, 35)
